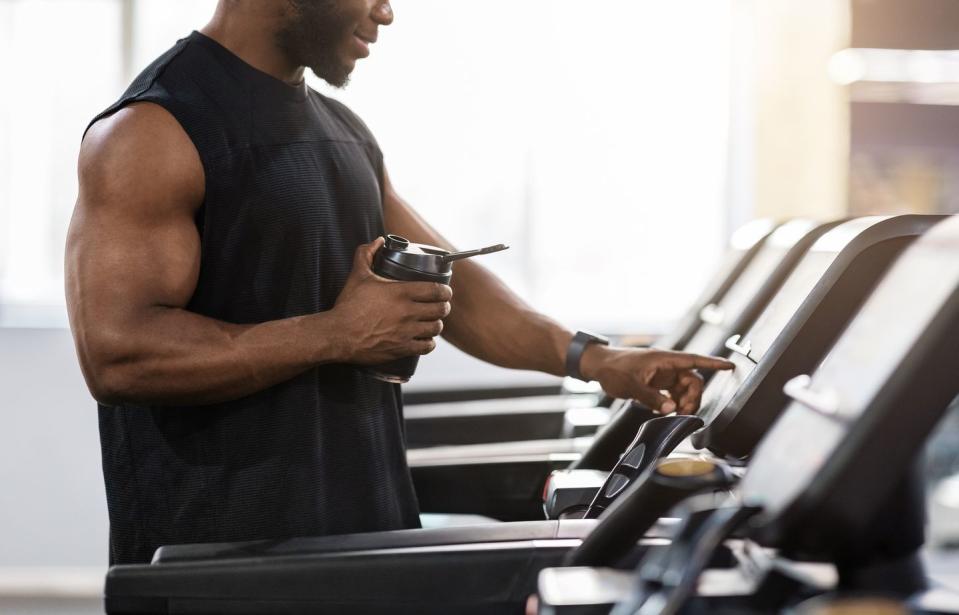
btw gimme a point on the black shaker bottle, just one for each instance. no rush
(400, 259)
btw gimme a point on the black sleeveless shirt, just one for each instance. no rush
(293, 186)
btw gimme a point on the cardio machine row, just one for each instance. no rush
(854, 330)
(455, 442)
(761, 303)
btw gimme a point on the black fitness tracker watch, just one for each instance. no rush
(574, 354)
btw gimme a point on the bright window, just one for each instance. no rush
(61, 65)
(593, 141)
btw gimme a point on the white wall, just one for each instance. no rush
(52, 506)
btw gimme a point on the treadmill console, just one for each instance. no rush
(747, 350)
(904, 375)
(797, 328)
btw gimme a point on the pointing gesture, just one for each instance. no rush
(662, 380)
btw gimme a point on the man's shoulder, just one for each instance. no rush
(139, 122)
(139, 147)
(346, 115)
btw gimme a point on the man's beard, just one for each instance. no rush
(311, 38)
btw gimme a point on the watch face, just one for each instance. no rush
(588, 337)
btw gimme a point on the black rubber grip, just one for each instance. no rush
(631, 516)
(655, 439)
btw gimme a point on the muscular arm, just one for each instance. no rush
(132, 262)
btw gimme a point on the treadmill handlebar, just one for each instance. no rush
(629, 518)
(655, 439)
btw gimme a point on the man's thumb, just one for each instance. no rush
(363, 257)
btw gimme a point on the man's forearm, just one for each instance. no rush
(490, 322)
(171, 356)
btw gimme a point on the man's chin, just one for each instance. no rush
(338, 77)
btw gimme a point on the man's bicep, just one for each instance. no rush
(120, 263)
(133, 243)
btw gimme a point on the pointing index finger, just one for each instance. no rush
(683, 360)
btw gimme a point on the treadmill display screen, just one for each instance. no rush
(873, 346)
(724, 385)
(787, 301)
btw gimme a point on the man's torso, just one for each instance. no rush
(293, 185)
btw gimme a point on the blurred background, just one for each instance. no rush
(615, 148)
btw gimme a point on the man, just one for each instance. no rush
(222, 302)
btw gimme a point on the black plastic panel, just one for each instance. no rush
(325, 545)
(474, 578)
(508, 490)
(495, 420)
(436, 396)
(489, 569)
(474, 429)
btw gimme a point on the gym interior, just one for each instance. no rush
(772, 182)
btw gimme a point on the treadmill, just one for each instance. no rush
(831, 504)
(482, 569)
(435, 418)
(793, 331)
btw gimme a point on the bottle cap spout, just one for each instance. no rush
(456, 256)
(395, 242)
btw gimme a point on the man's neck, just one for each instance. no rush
(249, 32)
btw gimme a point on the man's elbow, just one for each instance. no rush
(103, 395)
(109, 383)
(109, 371)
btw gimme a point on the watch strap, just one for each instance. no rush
(577, 346)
